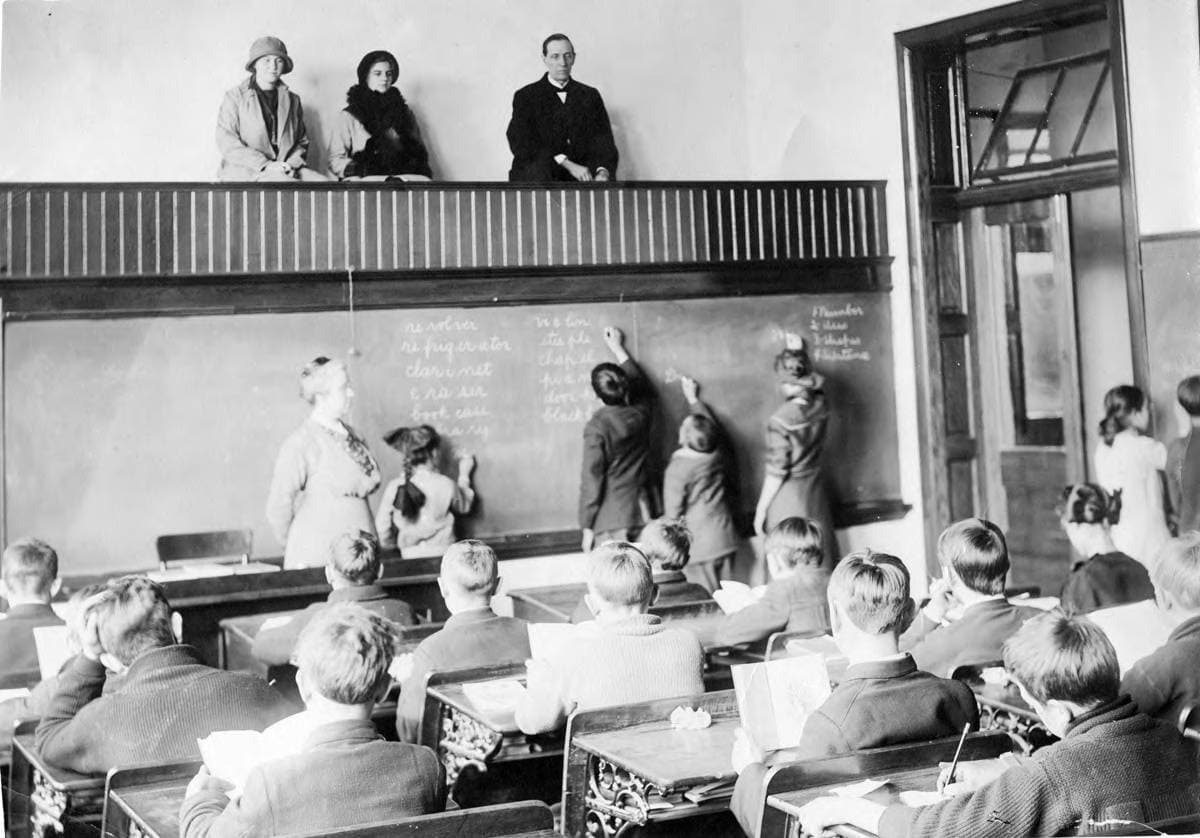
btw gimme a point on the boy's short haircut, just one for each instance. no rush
(796, 541)
(470, 566)
(1066, 658)
(344, 653)
(1188, 393)
(610, 383)
(873, 589)
(1177, 569)
(666, 542)
(29, 567)
(620, 574)
(700, 433)
(132, 617)
(976, 550)
(355, 557)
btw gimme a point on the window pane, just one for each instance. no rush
(1040, 356)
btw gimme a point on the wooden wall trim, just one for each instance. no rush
(93, 230)
(109, 297)
(1176, 235)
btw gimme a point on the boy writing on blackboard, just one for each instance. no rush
(616, 442)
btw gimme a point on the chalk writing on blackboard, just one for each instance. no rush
(835, 336)
(449, 364)
(566, 353)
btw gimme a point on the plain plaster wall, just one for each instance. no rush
(128, 90)
(1162, 39)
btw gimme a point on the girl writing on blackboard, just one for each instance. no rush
(1132, 464)
(416, 513)
(323, 473)
(793, 486)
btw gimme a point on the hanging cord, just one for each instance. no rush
(354, 351)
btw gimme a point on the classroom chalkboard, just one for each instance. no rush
(1171, 282)
(121, 430)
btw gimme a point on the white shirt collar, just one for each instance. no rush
(560, 85)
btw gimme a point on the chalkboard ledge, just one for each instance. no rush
(869, 512)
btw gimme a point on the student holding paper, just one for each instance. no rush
(631, 656)
(795, 599)
(968, 618)
(28, 581)
(473, 636)
(345, 774)
(883, 699)
(1114, 766)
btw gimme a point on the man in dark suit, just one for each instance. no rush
(28, 581)
(559, 129)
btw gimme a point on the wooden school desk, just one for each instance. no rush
(486, 756)
(627, 766)
(557, 603)
(1001, 707)
(144, 802)
(43, 800)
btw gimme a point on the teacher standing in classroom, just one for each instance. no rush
(793, 485)
(324, 472)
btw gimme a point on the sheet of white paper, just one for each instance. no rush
(53, 648)
(859, 789)
(734, 596)
(495, 697)
(1135, 629)
(275, 622)
(9, 695)
(776, 698)
(921, 798)
(1042, 603)
(231, 754)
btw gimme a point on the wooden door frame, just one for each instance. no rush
(921, 204)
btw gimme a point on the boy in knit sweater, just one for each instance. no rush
(346, 774)
(1167, 681)
(1115, 767)
(630, 657)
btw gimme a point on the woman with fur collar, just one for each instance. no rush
(376, 136)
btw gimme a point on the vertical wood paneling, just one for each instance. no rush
(113, 230)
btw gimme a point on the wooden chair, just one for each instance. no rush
(194, 546)
(575, 780)
(852, 767)
(520, 818)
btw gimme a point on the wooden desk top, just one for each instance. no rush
(59, 778)
(247, 627)
(154, 807)
(669, 758)
(558, 601)
(917, 779)
(455, 696)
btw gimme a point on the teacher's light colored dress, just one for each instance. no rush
(319, 491)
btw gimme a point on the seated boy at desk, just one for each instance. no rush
(630, 657)
(352, 570)
(667, 545)
(473, 636)
(167, 698)
(28, 581)
(967, 618)
(346, 775)
(883, 698)
(1115, 766)
(795, 598)
(1166, 681)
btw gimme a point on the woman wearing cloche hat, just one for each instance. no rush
(260, 128)
(376, 136)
